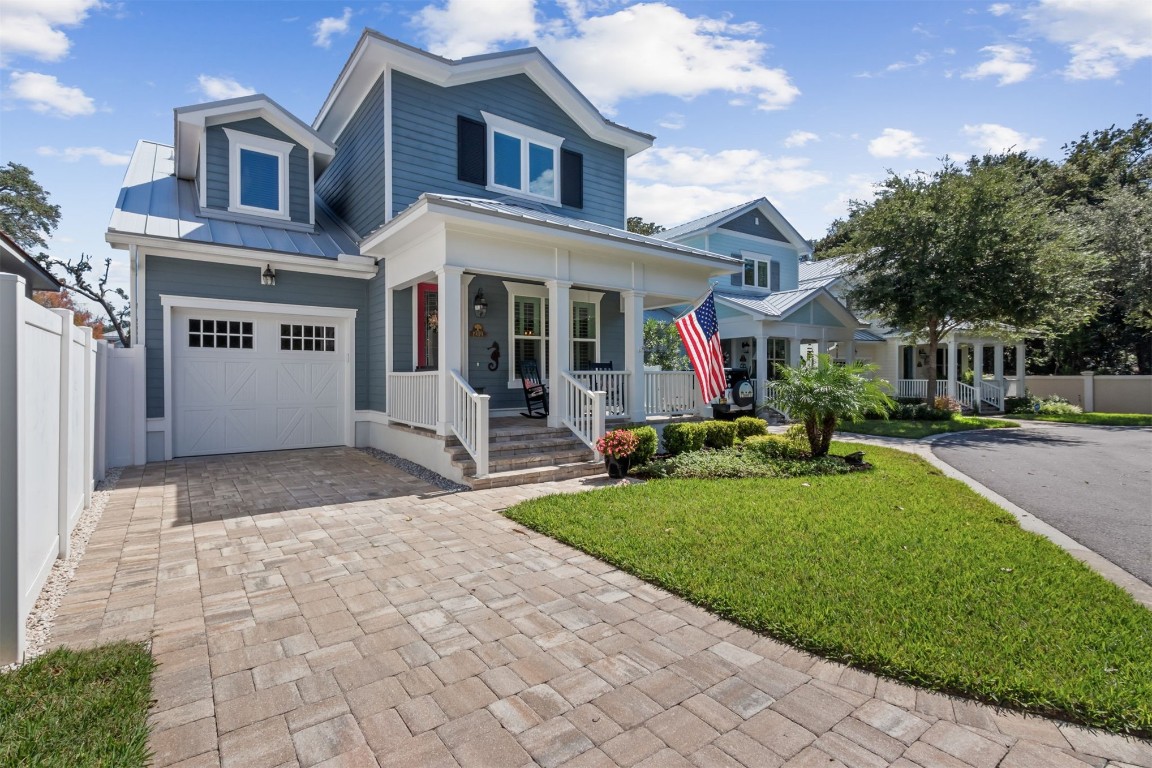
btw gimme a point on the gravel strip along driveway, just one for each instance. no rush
(1091, 483)
(325, 608)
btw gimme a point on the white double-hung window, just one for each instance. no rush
(522, 160)
(257, 174)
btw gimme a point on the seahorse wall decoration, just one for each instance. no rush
(495, 364)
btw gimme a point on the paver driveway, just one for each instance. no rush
(322, 608)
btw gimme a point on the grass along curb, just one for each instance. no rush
(915, 430)
(1092, 419)
(901, 571)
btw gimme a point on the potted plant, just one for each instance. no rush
(617, 448)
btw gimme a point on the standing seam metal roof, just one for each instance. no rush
(154, 203)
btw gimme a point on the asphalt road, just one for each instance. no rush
(1091, 483)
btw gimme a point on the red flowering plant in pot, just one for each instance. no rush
(617, 448)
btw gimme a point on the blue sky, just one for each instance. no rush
(806, 103)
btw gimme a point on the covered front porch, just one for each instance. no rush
(969, 369)
(472, 301)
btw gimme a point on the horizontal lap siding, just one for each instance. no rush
(755, 223)
(424, 142)
(218, 159)
(180, 277)
(354, 183)
(403, 351)
(731, 244)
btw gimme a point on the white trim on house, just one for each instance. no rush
(532, 291)
(346, 318)
(758, 258)
(202, 176)
(527, 136)
(587, 297)
(387, 144)
(347, 265)
(237, 141)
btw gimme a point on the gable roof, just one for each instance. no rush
(714, 221)
(154, 203)
(191, 121)
(782, 303)
(374, 53)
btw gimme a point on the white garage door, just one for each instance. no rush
(246, 381)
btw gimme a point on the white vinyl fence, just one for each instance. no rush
(48, 382)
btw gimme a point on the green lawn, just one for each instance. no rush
(900, 570)
(78, 708)
(1098, 419)
(918, 429)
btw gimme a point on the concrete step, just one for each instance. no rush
(535, 446)
(498, 463)
(545, 474)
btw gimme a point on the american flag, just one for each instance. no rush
(701, 336)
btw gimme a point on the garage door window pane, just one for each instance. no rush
(219, 334)
(308, 338)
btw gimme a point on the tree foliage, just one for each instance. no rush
(62, 299)
(662, 346)
(822, 393)
(641, 227)
(978, 246)
(25, 213)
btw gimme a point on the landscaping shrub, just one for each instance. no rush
(731, 463)
(647, 440)
(719, 434)
(683, 438)
(797, 437)
(1053, 405)
(945, 403)
(1018, 405)
(767, 447)
(750, 426)
(920, 411)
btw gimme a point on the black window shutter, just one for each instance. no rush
(737, 280)
(774, 282)
(471, 150)
(571, 178)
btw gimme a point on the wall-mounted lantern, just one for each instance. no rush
(480, 304)
(268, 276)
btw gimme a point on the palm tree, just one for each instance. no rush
(822, 393)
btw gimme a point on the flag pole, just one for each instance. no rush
(695, 303)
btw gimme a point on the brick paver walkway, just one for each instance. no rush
(322, 608)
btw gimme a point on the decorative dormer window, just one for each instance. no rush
(257, 174)
(762, 273)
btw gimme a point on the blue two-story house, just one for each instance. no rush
(380, 276)
(768, 315)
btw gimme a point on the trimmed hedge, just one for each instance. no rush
(648, 442)
(719, 434)
(684, 437)
(750, 426)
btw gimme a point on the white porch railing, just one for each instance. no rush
(669, 393)
(614, 384)
(583, 410)
(993, 394)
(768, 388)
(966, 394)
(412, 398)
(918, 388)
(468, 419)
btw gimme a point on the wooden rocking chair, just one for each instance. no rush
(535, 392)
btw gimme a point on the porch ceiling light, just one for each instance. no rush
(480, 304)
(268, 276)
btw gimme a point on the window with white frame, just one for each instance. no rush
(528, 328)
(522, 160)
(257, 174)
(585, 329)
(762, 273)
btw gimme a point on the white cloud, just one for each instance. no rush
(324, 30)
(657, 188)
(896, 142)
(76, 154)
(1010, 63)
(47, 95)
(643, 49)
(673, 121)
(856, 186)
(1103, 36)
(31, 27)
(994, 138)
(999, 9)
(800, 138)
(218, 88)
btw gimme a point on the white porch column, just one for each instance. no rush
(998, 365)
(850, 351)
(1020, 359)
(448, 280)
(794, 352)
(559, 348)
(950, 372)
(1089, 401)
(634, 353)
(977, 371)
(761, 366)
(390, 344)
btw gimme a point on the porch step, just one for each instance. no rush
(544, 474)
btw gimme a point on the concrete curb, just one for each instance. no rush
(1141, 592)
